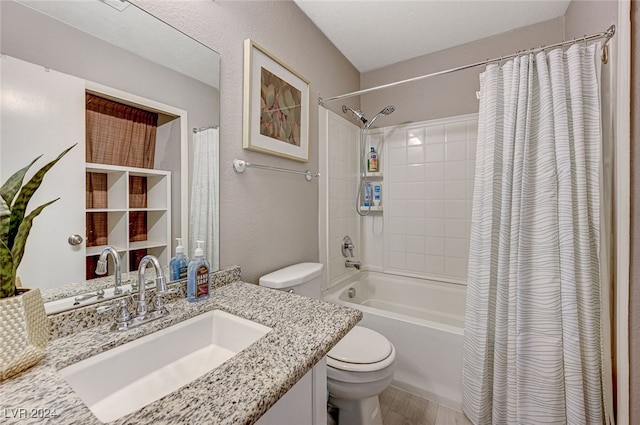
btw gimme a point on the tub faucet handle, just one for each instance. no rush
(347, 247)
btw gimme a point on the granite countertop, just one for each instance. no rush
(237, 392)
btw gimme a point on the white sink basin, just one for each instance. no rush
(127, 378)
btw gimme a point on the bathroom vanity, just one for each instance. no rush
(239, 391)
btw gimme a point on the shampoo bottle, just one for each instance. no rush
(377, 194)
(372, 161)
(367, 195)
(179, 264)
(198, 276)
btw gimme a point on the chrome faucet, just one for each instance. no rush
(101, 267)
(124, 320)
(352, 263)
(161, 287)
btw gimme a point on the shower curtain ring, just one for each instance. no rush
(605, 54)
(585, 41)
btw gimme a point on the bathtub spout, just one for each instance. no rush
(352, 263)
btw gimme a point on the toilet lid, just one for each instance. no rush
(361, 346)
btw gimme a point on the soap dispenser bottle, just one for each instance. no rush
(179, 264)
(372, 161)
(198, 281)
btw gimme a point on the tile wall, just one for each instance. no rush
(342, 145)
(428, 190)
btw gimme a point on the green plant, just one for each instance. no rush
(14, 225)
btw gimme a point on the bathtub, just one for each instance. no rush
(424, 320)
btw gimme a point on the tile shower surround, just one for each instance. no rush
(427, 192)
(429, 170)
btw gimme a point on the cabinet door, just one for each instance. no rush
(295, 407)
(43, 112)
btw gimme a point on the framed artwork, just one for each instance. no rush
(276, 106)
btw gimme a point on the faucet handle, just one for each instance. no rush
(347, 247)
(122, 313)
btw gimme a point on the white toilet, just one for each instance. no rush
(359, 367)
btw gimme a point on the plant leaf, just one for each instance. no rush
(5, 217)
(11, 187)
(7, 272)
(26, 192)
(17, 250)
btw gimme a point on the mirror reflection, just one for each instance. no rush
(141, 100)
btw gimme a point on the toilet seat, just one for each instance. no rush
(361, 350)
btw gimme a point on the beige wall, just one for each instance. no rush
(268, 220)
(454, 94)
(451, 94)
(589, 17)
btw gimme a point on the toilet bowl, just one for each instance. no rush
(359, 367)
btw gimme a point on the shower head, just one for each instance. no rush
(389, 109)
(356, 114)
(386, 111)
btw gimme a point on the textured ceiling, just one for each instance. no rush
(375, 33)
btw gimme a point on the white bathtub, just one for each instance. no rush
(423, 319)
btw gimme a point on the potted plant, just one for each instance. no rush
(24, 331)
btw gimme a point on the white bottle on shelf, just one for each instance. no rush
(377, 194)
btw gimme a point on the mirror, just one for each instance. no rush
(56, 54)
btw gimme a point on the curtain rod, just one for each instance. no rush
(607, 35)
(197, 130)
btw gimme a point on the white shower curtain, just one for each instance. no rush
(533, 340)
(203, 222)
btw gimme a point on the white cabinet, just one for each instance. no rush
(120, 210)
(304, 404)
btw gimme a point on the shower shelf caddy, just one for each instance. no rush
(374, 176)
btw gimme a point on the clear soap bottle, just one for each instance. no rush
(198, 281)
(372, 161)
(179, 264)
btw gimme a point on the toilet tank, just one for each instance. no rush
(302, 279)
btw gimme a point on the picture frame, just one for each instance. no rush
(276, 106)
